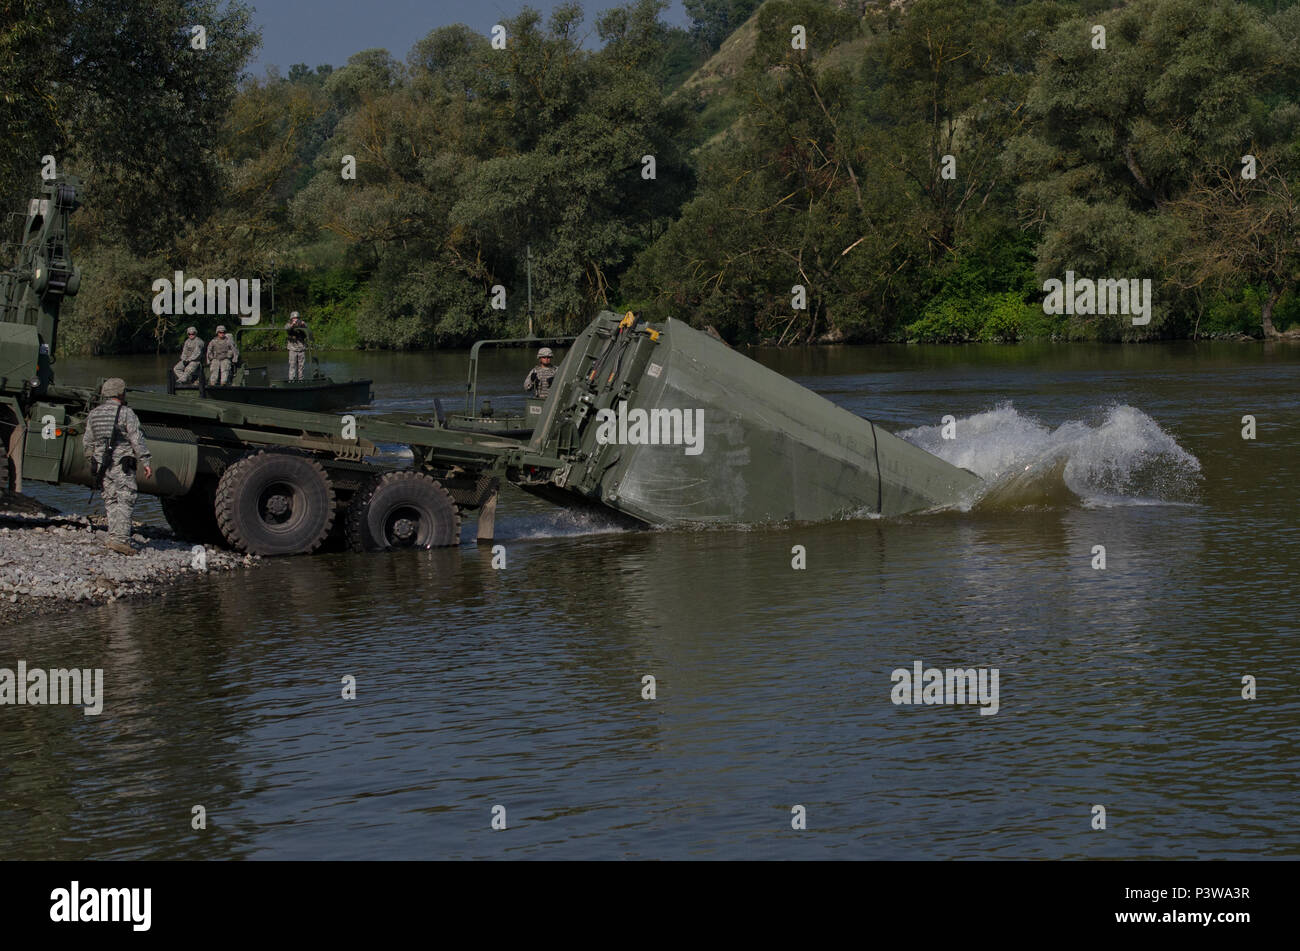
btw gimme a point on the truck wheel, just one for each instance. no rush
(193, 516)
(274, 503)
(402, 510)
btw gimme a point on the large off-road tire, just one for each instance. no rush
(193, 516)
(275, 503)
(402, 510)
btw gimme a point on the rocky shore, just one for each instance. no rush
(49, 561)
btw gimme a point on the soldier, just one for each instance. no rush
(538, 381)
(222, 357)
(113, 446)
(297, 346)
(191, 362)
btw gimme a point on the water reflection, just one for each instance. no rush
(523, 686)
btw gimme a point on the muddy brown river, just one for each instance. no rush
(794, 712)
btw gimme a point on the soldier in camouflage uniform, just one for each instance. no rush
(222, 357)
(114, 446)
(297, 346)
(191, 362)
(538, 381)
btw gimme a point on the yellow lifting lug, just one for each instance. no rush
(628, 320)
(653, 334)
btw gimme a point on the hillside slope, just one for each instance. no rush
(714, 83)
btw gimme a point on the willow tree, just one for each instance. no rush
(132, 100)
(476, 157)
(1243, 228)
(1129, 106)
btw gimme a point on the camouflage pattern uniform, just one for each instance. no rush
(191, 362)
(222, 356)
(538, 381)
(297, 347)
(128, 450)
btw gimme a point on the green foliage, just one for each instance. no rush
(833, 178)
(1132, 123)
(681, 57)
(367, 74)
(479, 156)
(717, 115)
(110, 314)
(1121, 135)
(153, 174)
(1287, 313)
(987, 294)
(29, 59)
(1237, 314)
(920, 169)
(405, 309)
(117, 94)
(984, 318)
(712, 21)
(328, 300)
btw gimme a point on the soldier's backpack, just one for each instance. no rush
(100, 461)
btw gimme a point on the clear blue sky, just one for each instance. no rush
(329, 31)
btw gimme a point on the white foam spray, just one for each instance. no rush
(1124, 457)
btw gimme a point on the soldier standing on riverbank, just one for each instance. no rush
(190, 364)
(297, 346)
(114, 446)
(538, 381)
(222, 356)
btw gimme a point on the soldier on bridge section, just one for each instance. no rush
(538, 381)
(114, 447)
(297, 346)
(222, 357)
(190, 365)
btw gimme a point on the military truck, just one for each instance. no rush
(263, 480)
(655, 425)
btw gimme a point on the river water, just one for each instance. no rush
(522, 687)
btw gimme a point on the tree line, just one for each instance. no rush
(867, 172)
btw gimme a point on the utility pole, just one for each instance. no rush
(529, 248)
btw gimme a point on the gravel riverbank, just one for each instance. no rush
(52, 561)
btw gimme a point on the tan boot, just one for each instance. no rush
(121, 547)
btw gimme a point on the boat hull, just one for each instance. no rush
(311, 397)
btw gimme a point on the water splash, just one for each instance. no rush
(1124, 457)
(561, 523)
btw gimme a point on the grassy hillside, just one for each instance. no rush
(714, 83)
